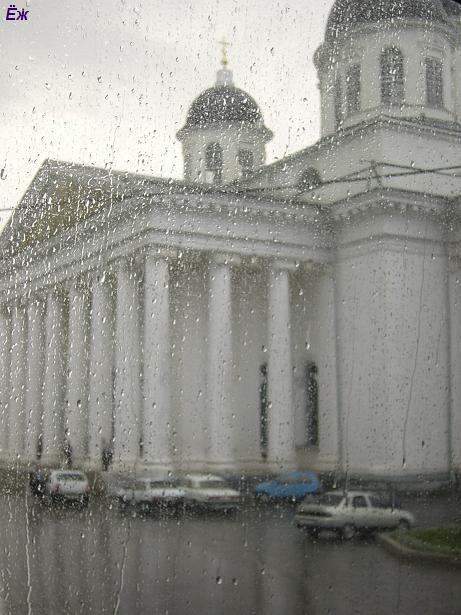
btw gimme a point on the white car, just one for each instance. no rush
(67, 485)
(208, 491)
(351, 511)
(150, 493)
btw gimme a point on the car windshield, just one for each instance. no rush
(213, 484)
(70, 477)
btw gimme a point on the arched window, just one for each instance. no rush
(434, 82)
(392, 78)
(309, 179)
(338, 102)
(214, 161)
(246, 162)
(353, 89)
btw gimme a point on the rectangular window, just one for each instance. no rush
(312, 405)
(353, 89)
(263, 418)
(392, 78)
(338, 103)
(246, 162)
(434, 82)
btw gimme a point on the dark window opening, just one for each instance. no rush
(309, 179)
(246, 162)
(214, 162)
(312, 405)
(263, 417)
(392, 77)
(338, 103)
(434, 82)
(353, 89)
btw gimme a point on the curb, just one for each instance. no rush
(394, 547)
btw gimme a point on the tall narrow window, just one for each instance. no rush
(338, 103)
(434, 82)
(263, 418)
(392, 78)
(312, 405)
(353, 89)
(246, 162)
(214, 162)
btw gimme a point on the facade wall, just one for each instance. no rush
(393, 357)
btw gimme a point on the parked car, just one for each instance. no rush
(208, 491)
(352, 511)
(150, 493)
(67, 485)
(291, 485)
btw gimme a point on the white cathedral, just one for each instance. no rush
(253, 317)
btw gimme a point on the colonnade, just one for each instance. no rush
(85, 363)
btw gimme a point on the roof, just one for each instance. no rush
(222, 103)
(347, 14)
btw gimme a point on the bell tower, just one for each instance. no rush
(224, 137)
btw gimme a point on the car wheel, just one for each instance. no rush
(348, 531)
(404, 525)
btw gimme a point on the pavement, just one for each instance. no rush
(256, 561)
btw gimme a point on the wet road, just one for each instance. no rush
(102, 561)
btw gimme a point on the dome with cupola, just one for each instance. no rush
(347, 14)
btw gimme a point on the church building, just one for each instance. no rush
(256, 317)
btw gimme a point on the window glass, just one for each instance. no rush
(353, 89)
(392, 76)
(434, 82)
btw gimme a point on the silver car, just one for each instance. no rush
(67, 485)
(351, 511)
(208, 491)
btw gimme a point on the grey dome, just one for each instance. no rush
(222, 103)
(346, 14)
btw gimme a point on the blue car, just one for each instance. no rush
(292, 485)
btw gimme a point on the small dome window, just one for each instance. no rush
(353, 89)
(434, 82)
(246, 162)
(309, 179)
(214, 162)
(338, 102)
(392, 76)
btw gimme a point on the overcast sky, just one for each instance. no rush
(108, 82)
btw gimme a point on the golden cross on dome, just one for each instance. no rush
(225, 45)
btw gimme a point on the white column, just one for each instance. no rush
(281, 427)
(220, 362)
(34, 376)
(53, 388)
(127, 366)
(76, 398)
(157, 360)
(101, 364)
(5, 358)
(16, 410)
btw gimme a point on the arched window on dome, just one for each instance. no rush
(434, 82)
(338, 103)
(246, 162)
(353, 89)
(310, 179)
(214, 163)
(392, 76)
